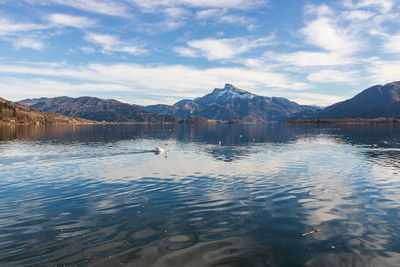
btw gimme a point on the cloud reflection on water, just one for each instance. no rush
(85, 188)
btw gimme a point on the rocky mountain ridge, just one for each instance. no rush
(231, 103)
(379, 101)
(13, 113)
(102, 110)
(227, 104)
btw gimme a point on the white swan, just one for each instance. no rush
(161, 150)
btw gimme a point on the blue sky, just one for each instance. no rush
(161, 51)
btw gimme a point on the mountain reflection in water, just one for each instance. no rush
(97, 195)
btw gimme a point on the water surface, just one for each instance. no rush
(97, 196)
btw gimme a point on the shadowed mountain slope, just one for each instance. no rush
(97, 109)
(14, 113)
(375, 102)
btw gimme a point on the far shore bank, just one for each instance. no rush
(344, 121)
(209, 122)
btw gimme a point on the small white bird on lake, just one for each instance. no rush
(161, 150)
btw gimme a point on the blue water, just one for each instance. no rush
(97, 195)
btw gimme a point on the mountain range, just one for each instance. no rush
(231, 103)
(93, 108)
(226, 104)
(379, 101)
(14, 113)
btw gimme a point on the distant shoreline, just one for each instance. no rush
(208, 122)
(344, 121)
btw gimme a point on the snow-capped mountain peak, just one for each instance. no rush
(231, 91)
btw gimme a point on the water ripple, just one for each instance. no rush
(106, 203)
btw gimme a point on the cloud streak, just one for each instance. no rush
(161, 81)
(217, 49)
(111, 43)
(28, 43)
(104, 7)
(9, 27)
(234, 4)
(384, 6)
(71, 21)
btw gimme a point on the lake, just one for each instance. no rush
(98, 196)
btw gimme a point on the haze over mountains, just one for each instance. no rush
(227, 104)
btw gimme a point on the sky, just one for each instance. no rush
(161, 51)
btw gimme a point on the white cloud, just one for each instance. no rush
(251, 27)
(221, 15)
(176, 12)
(8, 27)
(167, 24)
(170, 25)
(18, 89)
(234, 19)
(392, 44)
(323, 33)
(186, 52)
(31, 35)
(150, 81)
(322, 100)
(172, 18)
(110, 43)
(333, 76)
(333, 45)
(311, 59)
(179, 77)
(107, 41)
(130, 49)
(209, 13)
(22, 35)
(383, 72)
(28, 43)
(216, 49)
(318, 10)
(384, 6)
(71, 21)
(88, 49)
(358, 15)
(105, 7)
(234, 4)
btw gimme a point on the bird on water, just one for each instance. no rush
(161, 150)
